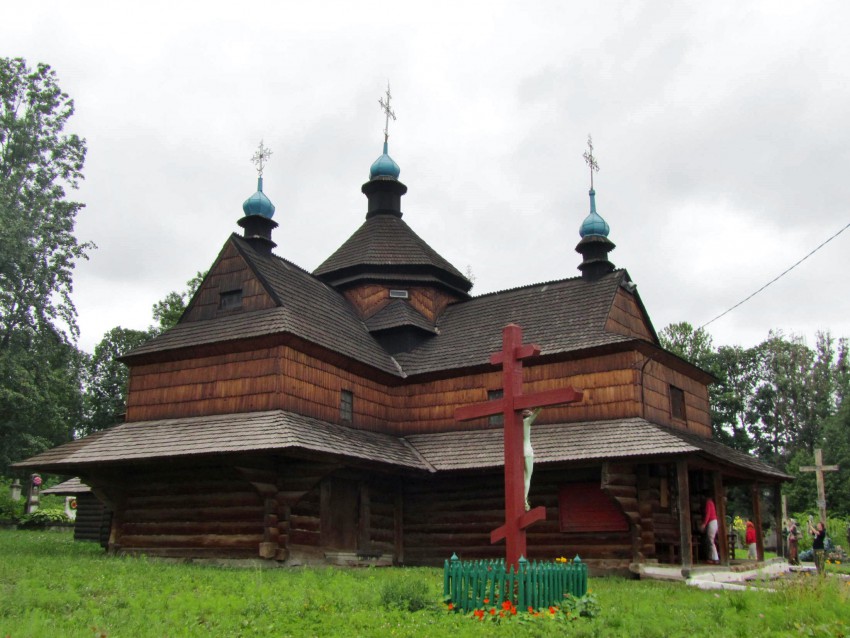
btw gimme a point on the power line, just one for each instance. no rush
(775, 279)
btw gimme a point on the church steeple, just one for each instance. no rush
(258, 209)
(594, 245)
(383, 190)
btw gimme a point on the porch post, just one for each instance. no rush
(720, 506)
(684, 505)
(757, 521)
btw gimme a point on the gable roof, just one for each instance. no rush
(559, 316)
(306, 308)
(278, 431)
(385, 246)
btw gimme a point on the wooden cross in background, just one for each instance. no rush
(819, 468)
(511, 404)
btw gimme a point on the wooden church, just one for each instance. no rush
(310, 417)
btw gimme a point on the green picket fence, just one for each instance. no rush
(535, 584)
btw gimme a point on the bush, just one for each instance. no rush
(9, 509)
(405, 595)
(42, 518)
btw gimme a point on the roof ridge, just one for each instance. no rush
(540, 283)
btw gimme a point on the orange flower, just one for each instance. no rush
(479, 613)
(502, 614)
(506, 604)
(530, 609)
(451, 606)
(513, 611)
(486, 601)
(493, 612)
(552, 610)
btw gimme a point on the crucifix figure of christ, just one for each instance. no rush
(512, 404)
(819, 468)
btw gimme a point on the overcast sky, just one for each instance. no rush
(722, 130)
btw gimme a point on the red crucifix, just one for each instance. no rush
(511, 404)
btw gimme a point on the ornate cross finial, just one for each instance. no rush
(385, 107)
(261, 157)
(591, 161)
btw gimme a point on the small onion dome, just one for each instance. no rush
(593, 224)
(258, 203)
(384, 166)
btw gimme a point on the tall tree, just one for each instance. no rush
(107, 378)
(38, 249)
(40, 393)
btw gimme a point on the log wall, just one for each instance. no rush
(230, 272)
(445, 515)
(189, 512)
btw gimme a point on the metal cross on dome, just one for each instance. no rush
(385, 107)
(591, 161)
(261, 157)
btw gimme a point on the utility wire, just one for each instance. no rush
(775, 279)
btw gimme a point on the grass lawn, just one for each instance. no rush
(51, 586)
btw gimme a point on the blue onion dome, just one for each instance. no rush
(593, 224)
(258, 203)
(384, 166)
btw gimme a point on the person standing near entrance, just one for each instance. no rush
(709, 528)
(750, 539)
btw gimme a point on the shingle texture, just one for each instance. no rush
(395, 314)
(387, 241)
(308, 309)
(223, 434)
(461, 450)
(71, 487)
(584, 441)
(559, 316)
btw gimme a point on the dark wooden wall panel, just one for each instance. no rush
(627, 319)
(230, 272)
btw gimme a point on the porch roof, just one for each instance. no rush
(277, 430)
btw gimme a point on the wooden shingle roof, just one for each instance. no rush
(386, 245)
(559, 316)
(278, 431)
(274, 430)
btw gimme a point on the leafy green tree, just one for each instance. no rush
(168, 311)
(40, 381)
(38, 249)
(694, 346)
(40, 395)
(107, 379)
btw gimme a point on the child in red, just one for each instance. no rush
(752, 553)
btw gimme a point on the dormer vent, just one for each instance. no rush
(399, 294)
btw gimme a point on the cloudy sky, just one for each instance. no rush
(722, 130)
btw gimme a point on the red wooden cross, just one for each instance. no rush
(511, 404)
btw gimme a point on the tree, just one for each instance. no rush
(40, 381)
(168, 311)
(107, 379)
(694, 346)
(38, 249)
